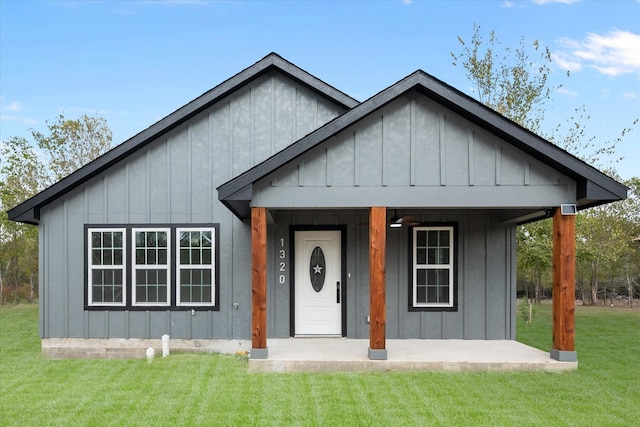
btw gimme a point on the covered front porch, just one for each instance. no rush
(472, 352)
(350, 355)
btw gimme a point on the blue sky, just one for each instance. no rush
(134, 62)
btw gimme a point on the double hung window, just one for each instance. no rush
(106, 266)
(433, 282)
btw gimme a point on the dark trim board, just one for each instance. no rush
(128, 306)
(343, 273)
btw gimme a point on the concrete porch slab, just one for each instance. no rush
(346, 355)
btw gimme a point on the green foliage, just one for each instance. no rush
(205, 389)
(26, 168)
(511, 83)
(527, 310)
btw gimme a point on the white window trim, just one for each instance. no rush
(449, 266)
(122, 267)
(212, 266)
(135, 267)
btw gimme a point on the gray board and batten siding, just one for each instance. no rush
(173, 180)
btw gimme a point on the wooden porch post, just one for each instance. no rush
(377, 277)
(564, 283)
(258, 283)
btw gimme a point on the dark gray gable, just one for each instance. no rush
(593, 187)
(29, 211)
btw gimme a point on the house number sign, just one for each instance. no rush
(282, 262)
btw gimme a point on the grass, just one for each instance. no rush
(199, 389)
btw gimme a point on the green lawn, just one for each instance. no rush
(190, 389)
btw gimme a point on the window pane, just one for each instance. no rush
(117, 239)
(96, 257)
(421, 294)
(421, 278)
(162, 256)
(431, 277)
(162, 293)
(421, 254)
(140, 239)
(141, 277)
(117, 257)
(206, 294)
(96, 277)
(141, 294)
(433, 238)
(195, 239)
(117, 277)
(195, 256)
(107, 240)
(206, 277)
(96, 239)
(432, 294)
(140, 258)
(444, 295)
(206, 256)
(206, 239)
(431, 259)
(185, 293)
(184, 239)
(184, 256)
(421, 238)
(162, 277)
(107, 257)
(108, 294)
(444, 238)
(96, 294)
(162, 239)
(444, 256)
(151, 256)
(185, 277)
(151, 239)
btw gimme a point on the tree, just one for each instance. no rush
(27, 168)
(70, 144)
(518, 88)
(514, 85)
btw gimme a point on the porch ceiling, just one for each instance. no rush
(347, 355)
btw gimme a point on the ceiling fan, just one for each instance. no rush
(402, 221)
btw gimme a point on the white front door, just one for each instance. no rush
(318, 274)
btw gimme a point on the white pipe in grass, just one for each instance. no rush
(165, 345)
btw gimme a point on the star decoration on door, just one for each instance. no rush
(317, 269)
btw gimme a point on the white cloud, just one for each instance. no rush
(612, 54)
(14, 106)
(566, 91)
(630, 95)
(565, 61)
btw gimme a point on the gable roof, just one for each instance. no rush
(29, 210)
(593, 187)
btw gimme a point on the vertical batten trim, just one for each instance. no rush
(65, 250)
(230, 141)
(105, 199)
(385, 152)
(252, 118)
(167, 163)
(472, 173)
(272, 112)
(441, 137)
(498, 149)
(356, 161)
(127, 182)
(147, 193)
(301, 174)
(412, 142)
(329, 170)
(294, 122)
(527, 167)
(210, 163)
(189, 172)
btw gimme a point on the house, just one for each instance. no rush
(276, 206)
